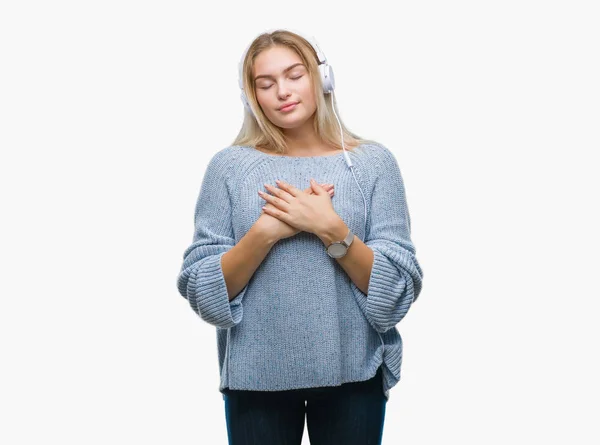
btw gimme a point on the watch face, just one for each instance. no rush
(337, 250)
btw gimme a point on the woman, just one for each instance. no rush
(305, 311)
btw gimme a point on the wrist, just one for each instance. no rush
(266, 237)
(335, 230)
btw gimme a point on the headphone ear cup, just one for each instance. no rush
(327, 78)
(245, 102)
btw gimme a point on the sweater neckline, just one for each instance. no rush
(332, 156)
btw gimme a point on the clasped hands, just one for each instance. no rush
(290, 210)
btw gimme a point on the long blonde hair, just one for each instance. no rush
(259, 130)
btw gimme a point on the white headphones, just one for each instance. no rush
(328, 82)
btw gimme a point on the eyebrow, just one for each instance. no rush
(285, 71)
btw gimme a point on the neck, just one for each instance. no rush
(303, 140)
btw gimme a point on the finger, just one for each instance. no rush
(274, 211)
(324, 185)
(288, 188)
(283, 195)
(270, 199)
(330, 191)
(310, 190)
(276, 202)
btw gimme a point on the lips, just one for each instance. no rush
(287, 106)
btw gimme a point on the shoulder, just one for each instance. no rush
(224, 161)
(377, 155)
(219, 169)
(379, 151)
(224, 155)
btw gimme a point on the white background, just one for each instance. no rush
(110, 112)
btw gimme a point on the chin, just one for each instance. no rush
(293, 124)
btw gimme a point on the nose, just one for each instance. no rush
(283, 91)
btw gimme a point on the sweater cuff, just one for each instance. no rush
(386, 301)
(208, 289)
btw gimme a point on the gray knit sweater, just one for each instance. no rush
(300, 322)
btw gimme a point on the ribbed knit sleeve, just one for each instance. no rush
(201, 279)
(396, 276)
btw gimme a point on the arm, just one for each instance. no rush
(392, 276)
(211, 280)
(240, 263)
(358, 261)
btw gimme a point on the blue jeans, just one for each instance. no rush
(350, 414)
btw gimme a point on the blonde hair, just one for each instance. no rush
(258, 130)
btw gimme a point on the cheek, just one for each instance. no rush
(260, 97)
(307, 94)
(264, 102)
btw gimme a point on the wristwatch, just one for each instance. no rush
(338, 249)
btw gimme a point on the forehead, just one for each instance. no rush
(274, 60)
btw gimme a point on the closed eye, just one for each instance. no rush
(293, 78)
